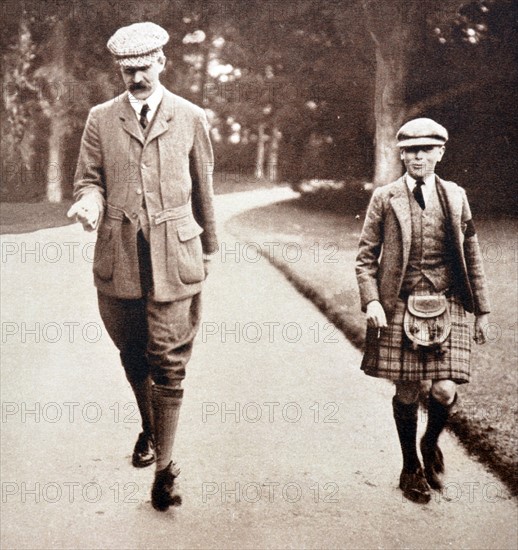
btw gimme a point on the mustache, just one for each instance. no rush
(135, 87)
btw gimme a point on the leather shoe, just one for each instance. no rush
(414, 486)
(144, 451)
(433, 464)
(164, 492)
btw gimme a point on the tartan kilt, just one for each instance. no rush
(391, 355)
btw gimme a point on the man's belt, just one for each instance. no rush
(176, 213)
(114, 213)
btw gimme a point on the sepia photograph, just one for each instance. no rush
(259, 274)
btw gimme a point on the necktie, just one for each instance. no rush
(418, 193)
(143, 115)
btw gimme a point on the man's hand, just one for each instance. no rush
(481, 323)
(87, 212)
(376, 317)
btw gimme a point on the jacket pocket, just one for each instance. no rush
(104, 253)
(190, 256)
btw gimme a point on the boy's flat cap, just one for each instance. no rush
(421, 131)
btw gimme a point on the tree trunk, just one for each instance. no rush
(396, 27)
(55, 165)
(273, 155)
(389, 112)
(204, 71)
(259, 163)
(58, 115)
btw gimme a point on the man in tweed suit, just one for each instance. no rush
(419, 239)
(144, 179)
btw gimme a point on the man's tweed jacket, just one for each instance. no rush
(171, 167)
(385, 245)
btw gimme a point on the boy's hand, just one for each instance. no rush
(481, 323)
(206, 263)
(376, 317)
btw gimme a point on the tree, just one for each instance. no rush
(302, 86)
(53, 77)
(303, 61)
(19, 106)
(405, 32)
(395, 28)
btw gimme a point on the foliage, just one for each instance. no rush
(304, 69)
(18, 107)
(343, 197)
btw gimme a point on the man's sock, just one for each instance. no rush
(166, 409)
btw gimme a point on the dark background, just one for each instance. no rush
(302, 79)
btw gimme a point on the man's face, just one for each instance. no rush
(143, 81)
(420, 161)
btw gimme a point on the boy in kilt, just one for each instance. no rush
(419, 245)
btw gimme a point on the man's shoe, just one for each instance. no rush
(144, 452)
(433, 464)
(414, 486)
(164, 492)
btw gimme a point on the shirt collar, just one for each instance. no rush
(428, 181)
(153, 101)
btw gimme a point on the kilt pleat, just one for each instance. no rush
(391, 356)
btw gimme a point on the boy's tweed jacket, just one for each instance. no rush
(171, 167)
(387, 233)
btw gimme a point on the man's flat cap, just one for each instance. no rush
(421, 131)
(138, 45)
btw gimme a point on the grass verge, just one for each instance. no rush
(316, 251)
(25, 217)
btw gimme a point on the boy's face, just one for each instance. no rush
(420, 160)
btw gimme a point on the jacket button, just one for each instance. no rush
(139, 191)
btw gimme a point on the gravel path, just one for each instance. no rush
(283, 442)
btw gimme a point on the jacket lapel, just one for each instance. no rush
(453, 204)
(129, 120)
(401, 206)
(163, 116)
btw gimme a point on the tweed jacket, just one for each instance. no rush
(385, 246)
(172, 168)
